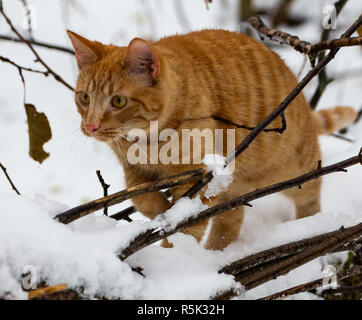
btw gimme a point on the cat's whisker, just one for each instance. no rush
(76, 130)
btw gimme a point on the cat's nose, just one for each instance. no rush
(92, 127)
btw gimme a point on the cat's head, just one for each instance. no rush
(118, 88)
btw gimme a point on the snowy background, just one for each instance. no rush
(82, 253)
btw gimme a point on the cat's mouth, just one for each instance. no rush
(103, 135)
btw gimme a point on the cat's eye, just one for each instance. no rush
(84, 98)
(119, 102)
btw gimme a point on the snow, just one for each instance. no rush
(222, 176)
(177, 213)
(84, 253)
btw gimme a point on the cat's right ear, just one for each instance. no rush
(86, 51)
(142, 61)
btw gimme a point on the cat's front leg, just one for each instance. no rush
(149, 204)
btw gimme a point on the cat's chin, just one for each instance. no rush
(99, 137)
(102, 138)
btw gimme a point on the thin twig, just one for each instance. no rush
(7, 60)
(39, 44)
(279, 130)
(124, 214)
(105, 188)
(39, 59)
(10, 181)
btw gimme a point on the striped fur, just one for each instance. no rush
(200, 77)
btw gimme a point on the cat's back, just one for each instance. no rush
(231, 69)
(234, 77)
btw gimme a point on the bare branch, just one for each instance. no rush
(39, 44)
(7, 60)
(254, 277)
(282, 251)
(118, 197)
(105, 187)
(10, 181)
(124, 214)
(39, 59)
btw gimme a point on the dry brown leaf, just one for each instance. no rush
(39, 133)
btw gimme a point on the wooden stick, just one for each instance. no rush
(118, 197)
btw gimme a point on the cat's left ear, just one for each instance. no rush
(86, 51)
(141, 60)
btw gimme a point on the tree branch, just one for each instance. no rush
(300, 45)
(7, 176)
(39, 44)
(105, 187)
(39, 59)
(7, 60)
(254, 277)
(118, 197)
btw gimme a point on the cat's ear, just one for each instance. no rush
(141, 60)
(86, 51)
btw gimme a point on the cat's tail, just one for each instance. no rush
(330, 120)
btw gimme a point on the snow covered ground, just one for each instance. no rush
(83, 253)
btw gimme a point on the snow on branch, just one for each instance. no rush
(118, 197)
(264, 266)
(153, 235)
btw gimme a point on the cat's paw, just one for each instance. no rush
(166, 244)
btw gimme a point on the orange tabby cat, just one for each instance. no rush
(206, 79)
